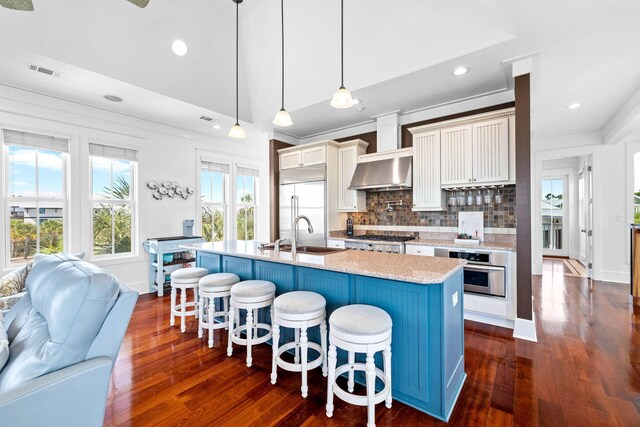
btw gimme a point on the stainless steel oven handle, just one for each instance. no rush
(481, 268)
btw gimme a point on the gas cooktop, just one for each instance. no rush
(381, 238)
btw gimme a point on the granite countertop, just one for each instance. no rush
(504, 246)
(406, 268)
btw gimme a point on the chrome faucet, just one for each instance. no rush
(277, 245)
(294, 234)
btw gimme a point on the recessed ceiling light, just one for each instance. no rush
(113, 98)
(355, 101)
(361, 108)
(574, 106)
(460, 71)
(179, 48)
(217, 126)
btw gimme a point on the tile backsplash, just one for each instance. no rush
(501, 215)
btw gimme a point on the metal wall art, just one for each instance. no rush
(160, 189)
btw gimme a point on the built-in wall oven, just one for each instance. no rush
(485, 272)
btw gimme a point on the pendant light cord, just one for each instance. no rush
(237, 115)
(282, 20)
(341, 43)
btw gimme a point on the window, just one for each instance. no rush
(246, 184)
(113, 199)
(213, 200)
(35, 194)
(636, 188)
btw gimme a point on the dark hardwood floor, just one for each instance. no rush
(584, 370)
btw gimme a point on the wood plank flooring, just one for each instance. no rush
(585, 370)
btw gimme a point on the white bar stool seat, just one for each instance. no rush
(360, 329)
(212, 286)
(184, 279)
(250, 295)
(299, 310)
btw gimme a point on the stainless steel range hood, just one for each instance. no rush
(381, 175)
(389, 168)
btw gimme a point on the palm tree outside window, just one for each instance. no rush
(113, 200)
(213, 199)
(35, 195)
(246, 187)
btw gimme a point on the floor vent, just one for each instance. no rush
(43, 70)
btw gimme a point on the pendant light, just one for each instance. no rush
(342, 97)
(282, 117)
(237, 131)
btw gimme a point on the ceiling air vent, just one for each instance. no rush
(43, 70)
(206, 119)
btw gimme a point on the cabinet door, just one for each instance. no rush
(456, 148)
(290, 160)
(420, 250)
(427, 191)
(313, 156)
(491, 151)
(348, 199)
(334, 243)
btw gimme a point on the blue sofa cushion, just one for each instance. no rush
(69, 300)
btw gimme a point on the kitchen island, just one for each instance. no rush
(422, 295)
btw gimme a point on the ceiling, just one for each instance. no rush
(398, 56)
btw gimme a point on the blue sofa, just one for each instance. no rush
(64, 336)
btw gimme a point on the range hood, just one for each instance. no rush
(382, 175)
(387, 169)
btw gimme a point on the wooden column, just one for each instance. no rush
(274, 187)
(523, 195)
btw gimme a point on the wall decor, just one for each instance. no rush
(170, 189)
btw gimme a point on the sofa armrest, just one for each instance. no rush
(72, 396)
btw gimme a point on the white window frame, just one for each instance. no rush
(132, 202)
(225, 203)
(237, 205)
(9, 199)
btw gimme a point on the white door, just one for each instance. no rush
(554, 204)
(290, 160)
(582, 217)
(427, 191)
(491, 151)
(347, 160)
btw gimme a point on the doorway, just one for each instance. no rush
(554, 205)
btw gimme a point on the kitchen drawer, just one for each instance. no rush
(334, 243)
(419, 250)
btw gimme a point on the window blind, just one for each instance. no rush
(248, 171)
(215, 167)
(34, 140)
(118, 153)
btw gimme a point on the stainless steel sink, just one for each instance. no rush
(313, 250)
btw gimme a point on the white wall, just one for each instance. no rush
(611, 214)
(164, 154)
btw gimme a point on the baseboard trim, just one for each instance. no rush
(525, 329)
(488, 319)
(612, 276)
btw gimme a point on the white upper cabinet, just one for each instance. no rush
(348, 153)
(296, 157)
(475, 150)
(491, 151)
(290, 160)
(427, 188)
(457, 155)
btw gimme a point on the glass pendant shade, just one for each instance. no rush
(237, 132)
(282, 118)
(342, 98)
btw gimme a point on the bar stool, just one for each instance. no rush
(183, 279)
(360, 329)
(210, 287)
(249, 295)
(299, 310)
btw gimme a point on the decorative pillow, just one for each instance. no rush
(14, 282)
(4, 344)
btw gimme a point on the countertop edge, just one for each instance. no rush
(393, 277)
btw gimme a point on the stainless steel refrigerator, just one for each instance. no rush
(303, 191)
